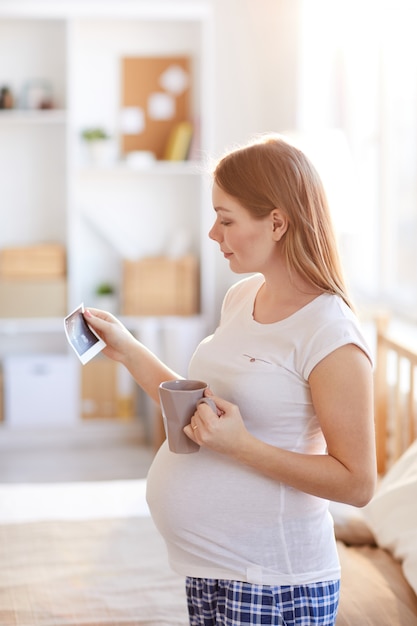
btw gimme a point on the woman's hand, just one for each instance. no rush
(223, 431)
(118, 339)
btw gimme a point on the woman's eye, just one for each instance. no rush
(225, 223)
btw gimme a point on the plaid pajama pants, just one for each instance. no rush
(234, 603)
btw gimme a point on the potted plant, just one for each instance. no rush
(97, 141)
(106, 297)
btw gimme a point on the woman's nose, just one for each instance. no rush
(213, 233)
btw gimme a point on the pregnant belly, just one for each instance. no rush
(206, 506)
(219, 516)
(183, 490)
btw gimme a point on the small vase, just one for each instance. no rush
(107, 302)
(99, 152)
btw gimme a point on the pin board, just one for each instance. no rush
(155, 99)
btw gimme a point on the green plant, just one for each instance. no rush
(92, 134)
(104, 289)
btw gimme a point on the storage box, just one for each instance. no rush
(161, 286)
(100, 392)
(33, 262)
(41, 390)
(35, 298)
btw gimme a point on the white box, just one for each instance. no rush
(41, 390)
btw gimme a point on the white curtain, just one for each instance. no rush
(358, 73)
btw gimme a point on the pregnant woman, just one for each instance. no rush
(245, 519)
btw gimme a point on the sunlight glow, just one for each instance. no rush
(359, 74)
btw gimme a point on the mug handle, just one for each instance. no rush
(208, 401)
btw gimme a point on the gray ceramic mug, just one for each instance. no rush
(179, 399)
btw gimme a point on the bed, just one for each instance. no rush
(78, 554)
(88, 554)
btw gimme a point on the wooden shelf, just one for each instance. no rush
(52, 189)
(158, 168)
(18, 326)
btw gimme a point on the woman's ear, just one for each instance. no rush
(279, 224)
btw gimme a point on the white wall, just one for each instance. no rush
(256, 54)
(256, 68)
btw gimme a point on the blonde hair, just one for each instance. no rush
(271, 173)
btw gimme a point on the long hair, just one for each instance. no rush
(270, 173)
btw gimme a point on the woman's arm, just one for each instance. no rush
(145, 367)
(342, 394)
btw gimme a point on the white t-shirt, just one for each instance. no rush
(221, 519)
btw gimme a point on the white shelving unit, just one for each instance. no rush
(102, 214)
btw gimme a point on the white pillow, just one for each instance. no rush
(392, 513)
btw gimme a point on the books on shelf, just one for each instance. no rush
(179, 142)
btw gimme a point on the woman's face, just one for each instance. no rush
(247, 243)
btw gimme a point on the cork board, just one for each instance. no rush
(155, 98)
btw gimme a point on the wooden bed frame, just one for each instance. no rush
(374, 588)
(395, 396)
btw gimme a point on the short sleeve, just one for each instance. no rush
(328, 338)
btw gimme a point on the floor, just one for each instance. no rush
(96, 450)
